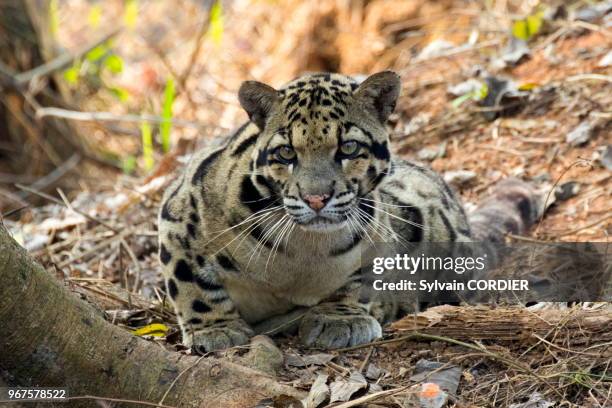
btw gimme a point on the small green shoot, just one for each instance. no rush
(71, 75)
(114, 63)
(215, 28)
(130, 13)
(95, 16)
(147, 145)
(476, 95)
(54, 17)
(97, 53)
(120, 93)
(528, 27)
(129, 164)
(166, 126)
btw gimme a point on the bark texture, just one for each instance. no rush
(48, 337)
(571, 327)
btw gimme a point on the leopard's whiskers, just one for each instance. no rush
(251, 227)
(387, 204)
(414, 224)
(277, 242)
(264, 238)
(378, 226)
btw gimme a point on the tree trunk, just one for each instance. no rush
(29, 148)
(49, 338)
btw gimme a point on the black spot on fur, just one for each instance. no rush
(183, 271)
(200, 307)
(200, 260)
(194, 218)
(524, 206)
(164, 255)
(191, 230)
(511, 226)
(380, 150)
(184, 242)
(165, 212)
(216, 301)
(195, 320)
(204, 166)
(226, 263)
(465, 231)
(262, 158)
(172, 288)
(206, 285)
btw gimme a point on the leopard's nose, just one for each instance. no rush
(316, 201)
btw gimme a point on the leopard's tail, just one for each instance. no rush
(512, 208)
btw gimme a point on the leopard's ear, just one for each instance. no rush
(257, 99)
(378, 94)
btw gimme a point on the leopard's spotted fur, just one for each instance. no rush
(278, 217)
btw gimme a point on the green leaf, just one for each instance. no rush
(215, 28)
(129, 164)
(95, 16)
(528, 27)
(130, 13)
(477, 95)
(147, 145)
(166, 125)
(120, 93)
(114, 63)
(97, 53)
(71, 75)
(481, 93)
(458, 101)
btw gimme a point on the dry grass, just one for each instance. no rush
(115, 244)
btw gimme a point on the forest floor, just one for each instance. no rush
(550, 125)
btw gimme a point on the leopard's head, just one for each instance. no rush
(323, 144)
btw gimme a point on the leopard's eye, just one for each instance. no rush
(349, 149)
(286, 154)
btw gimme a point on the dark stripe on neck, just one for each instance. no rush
(409, 212)
(245, 144)
(355, 240)
(252, 198)
(451, 231)
(204, 166)
(258, 234)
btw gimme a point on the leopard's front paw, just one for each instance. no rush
(325, 329)
(234, 333)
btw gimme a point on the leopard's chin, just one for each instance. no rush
(323, 225)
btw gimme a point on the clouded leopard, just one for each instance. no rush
(278, 216)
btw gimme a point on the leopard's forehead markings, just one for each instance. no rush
(313, 105)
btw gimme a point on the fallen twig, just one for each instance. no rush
(60, 202)
(111, 117)
(61, 61)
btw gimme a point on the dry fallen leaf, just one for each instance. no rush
(342, 390)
